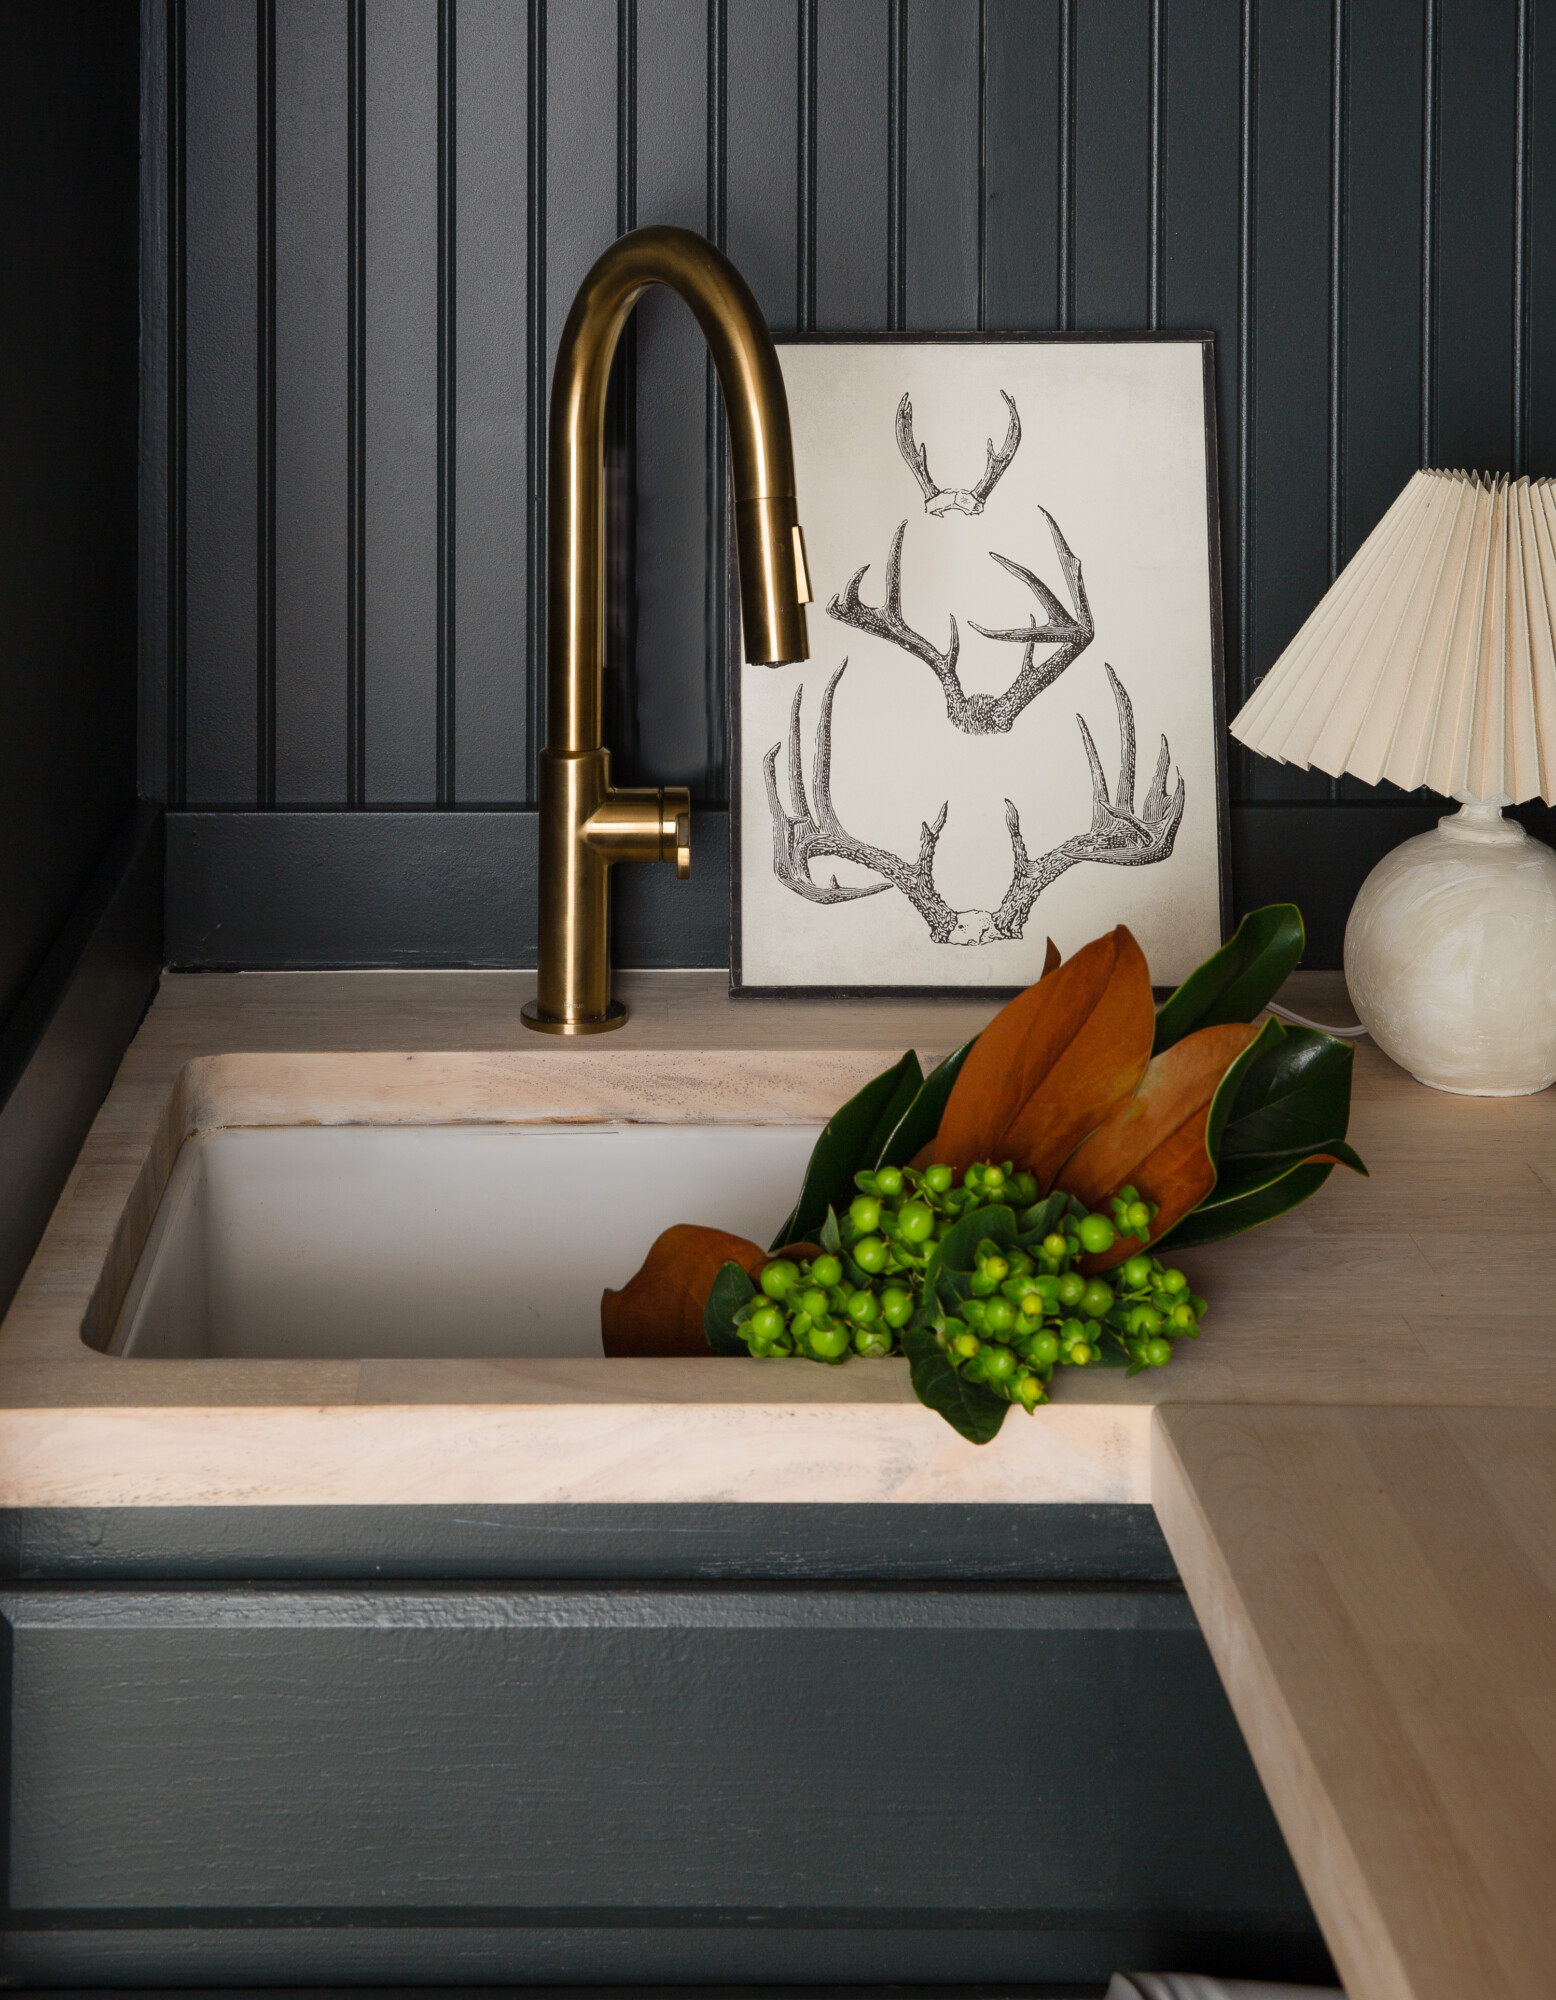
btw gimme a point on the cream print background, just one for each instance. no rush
(1113, 445)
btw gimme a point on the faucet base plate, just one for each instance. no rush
(547, 1024)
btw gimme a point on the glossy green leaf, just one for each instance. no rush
(920, 1121)
(1293, 1100)
(1214, 1220)
(1237, 981)
(732, 1289)
(956, 1254)
(852, 1138)
(1230, 1087)
(966, 1406)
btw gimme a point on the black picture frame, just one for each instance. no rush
(1206, 342)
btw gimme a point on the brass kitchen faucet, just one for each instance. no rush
(586, 825)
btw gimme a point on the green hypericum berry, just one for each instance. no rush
(1079, 1355)
(766, 1323)
(874, 1343)
(1055, 1245)
(938, 1179)
(999, 1315)
(994, 1268)
(814, 1302)
(966, 1345)
(1028, 1390)
(1174, 1281)
(1044, 1348)
(1022, 1190)
(870, 1255)
(896, 1306)
(999, 1364)
(829, 1343)
(1158, 1352)
(888, 1182)
(1096, 1299)
(916, 1220)
(1097, 1234)
(864, 1212)
(993, 1179)
(1137, 1272)
(778, 1279)
(826, 1271)
(1182, 1316)
(1071, 1289)
(1140, 1214)
(863, 1308)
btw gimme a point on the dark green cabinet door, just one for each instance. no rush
(630, 1782)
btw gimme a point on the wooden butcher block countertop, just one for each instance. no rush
(1355, 1466)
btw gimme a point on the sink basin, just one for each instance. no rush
(457, 1241)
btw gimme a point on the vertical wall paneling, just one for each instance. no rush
(1289, 409)
(941, 164)
(161, 484)
(1382, 300)
(678, 659)
(1199, 197)
(447, 450)
(1476, 206)
(1112, 58)
(852, 74)
(1540, 236)
(364, 224)
(1021, 163)
(488, 449)
(401, 314)
(316, 593)
(221, 435)
(761, 185)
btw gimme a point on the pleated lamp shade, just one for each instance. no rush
(1431, 660)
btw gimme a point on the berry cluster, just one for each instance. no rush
(1004, 1311)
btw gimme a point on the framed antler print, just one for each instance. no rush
(1010, 725)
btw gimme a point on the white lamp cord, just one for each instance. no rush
(1351, 1032)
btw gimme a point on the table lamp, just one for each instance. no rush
(1431, 661)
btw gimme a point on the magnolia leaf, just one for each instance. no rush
(1238, 981)
(660, 1311)
(1293, 1100)
(1156, 1141)
(1051, 960)
(732, 1289)
(852, 1138)
(919, 1123)
(1231, 1084)
(1213, 1221)
(1052, 1065)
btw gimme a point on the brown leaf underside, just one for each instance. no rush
(1053, 1064)
(658, 1312)
(1155, 1141)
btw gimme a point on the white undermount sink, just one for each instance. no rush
(411, 1241)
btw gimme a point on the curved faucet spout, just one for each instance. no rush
(772, 590)
(585, 824)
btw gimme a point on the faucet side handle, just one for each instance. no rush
(643, 824)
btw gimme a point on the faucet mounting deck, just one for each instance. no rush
(586, 824)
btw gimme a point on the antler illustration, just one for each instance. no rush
(1117, 834)
(947, 499)
(980, 714)
(803, 836)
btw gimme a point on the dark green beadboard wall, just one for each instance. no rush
(365, 224)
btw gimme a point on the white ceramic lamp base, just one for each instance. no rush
(1450, 955)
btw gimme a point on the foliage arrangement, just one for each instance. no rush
(999, 1218)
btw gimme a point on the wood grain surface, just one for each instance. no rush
(1378, 1588)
